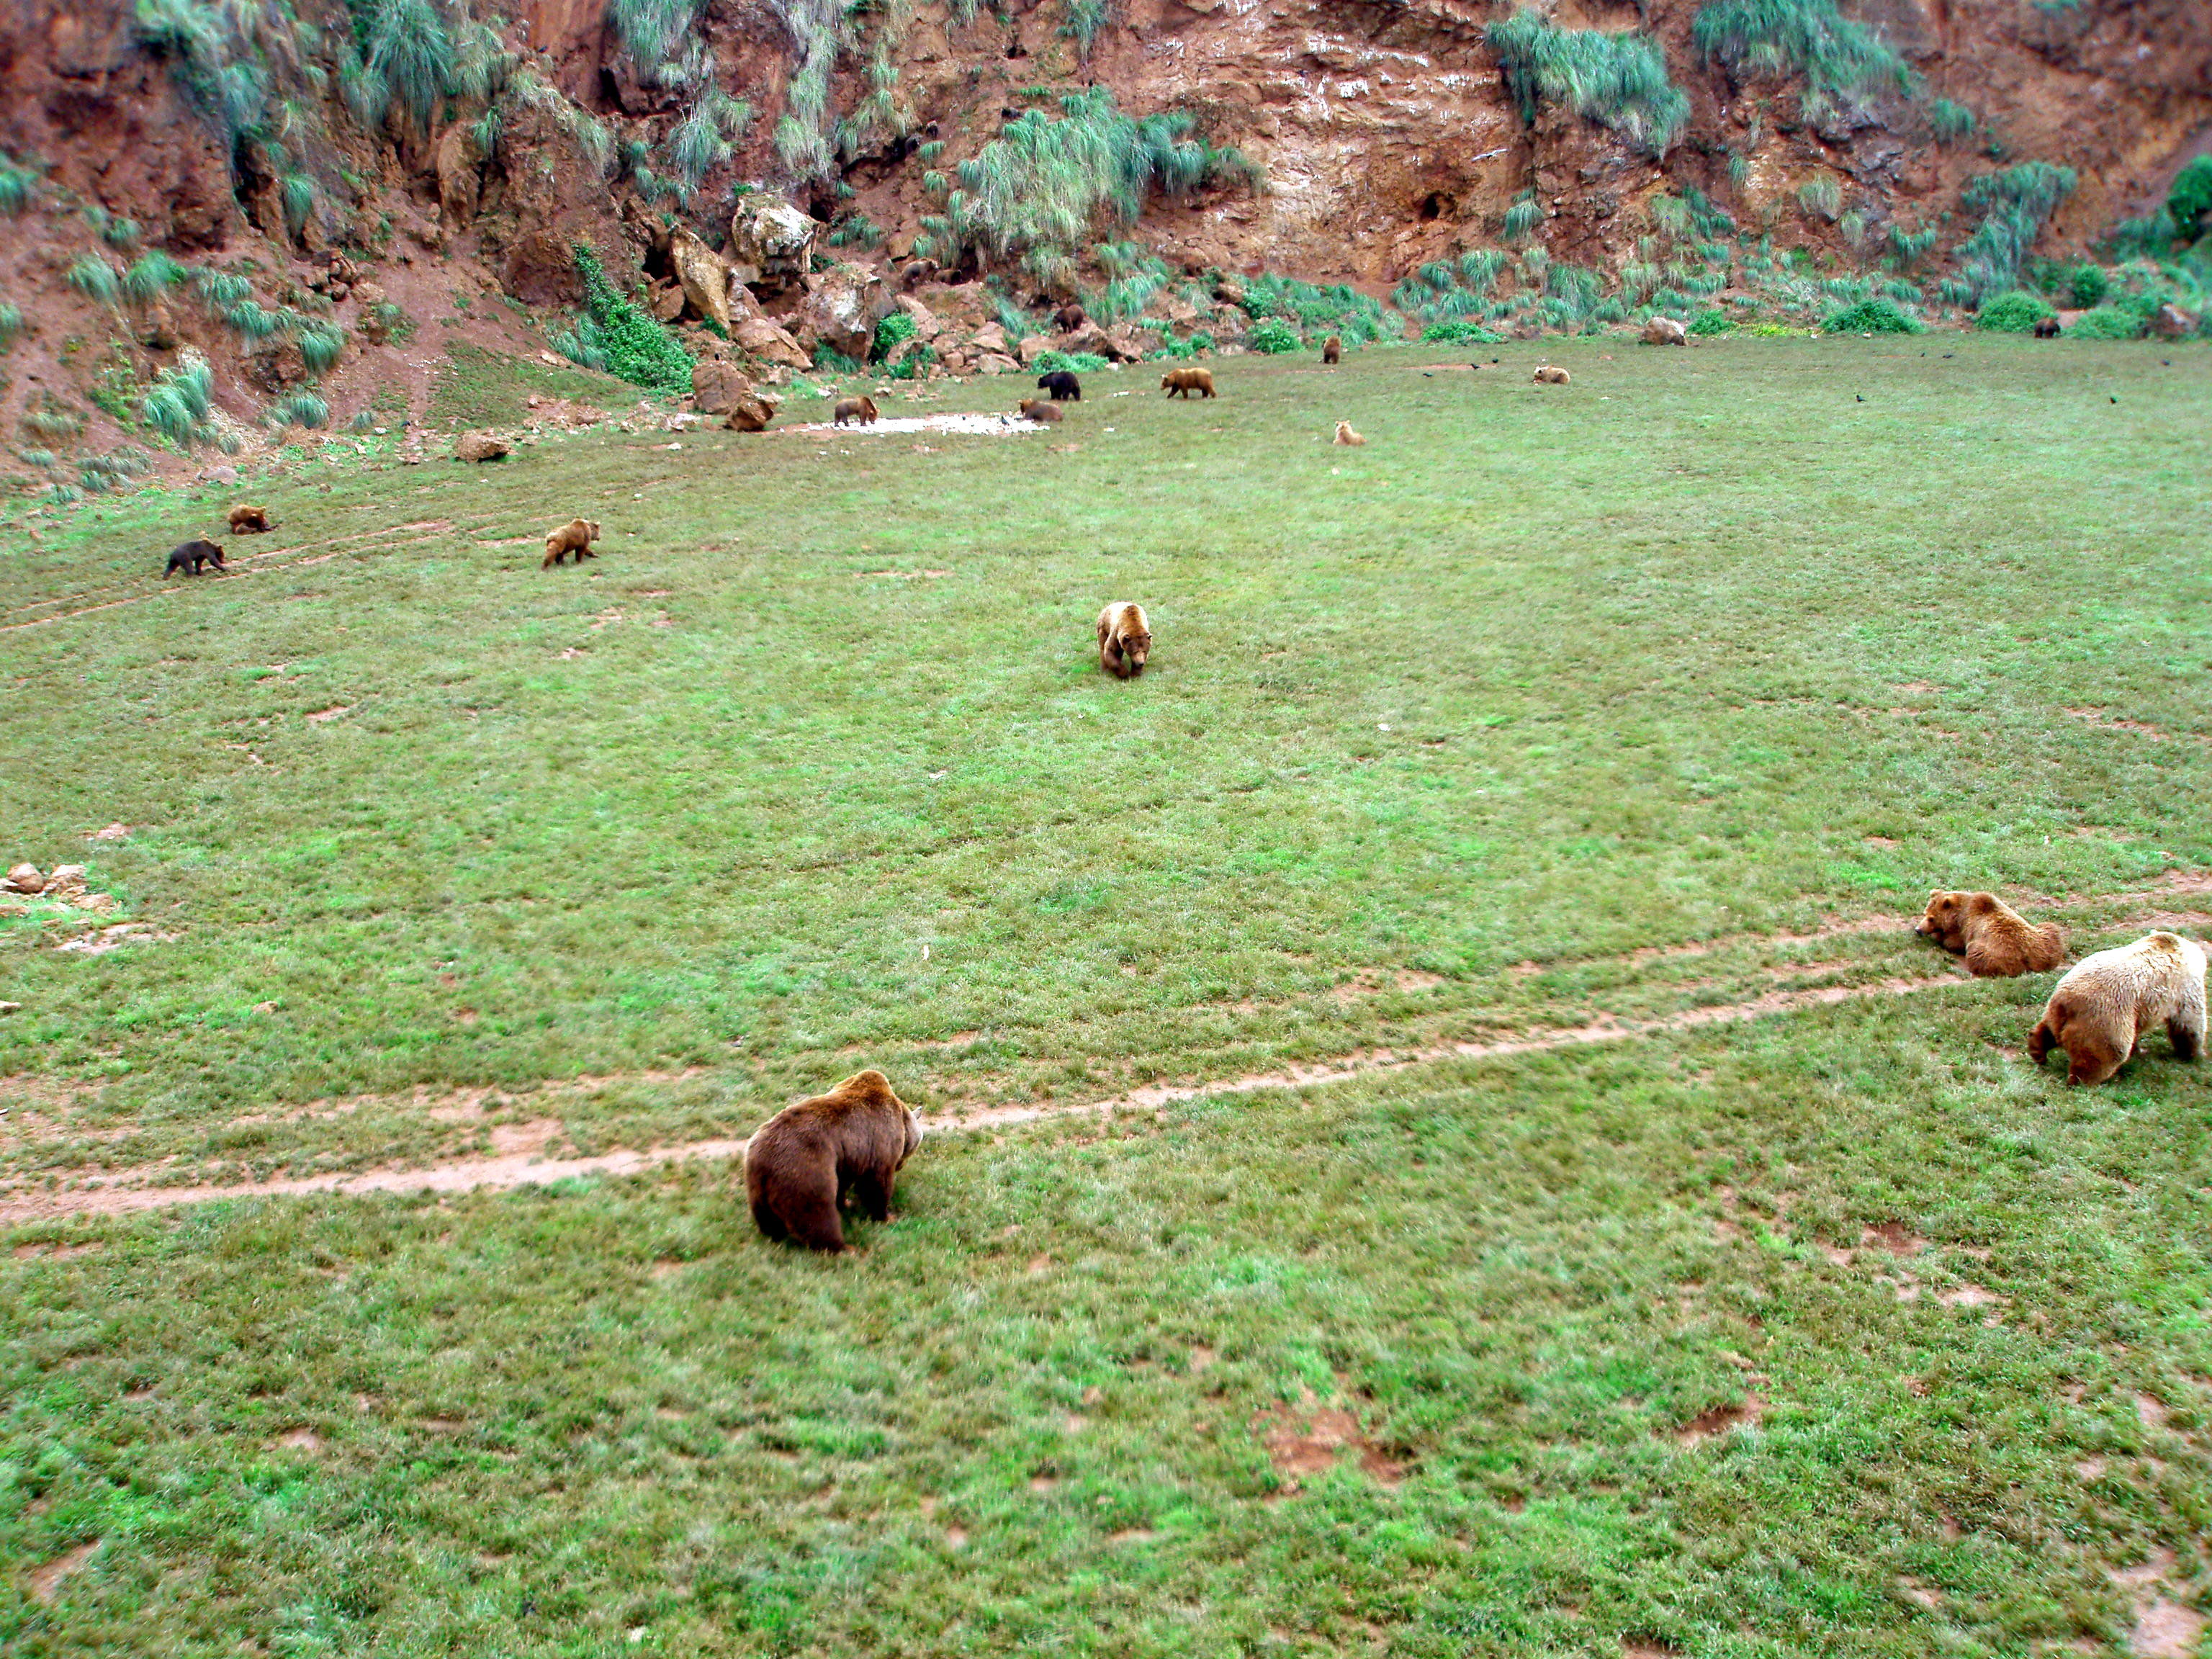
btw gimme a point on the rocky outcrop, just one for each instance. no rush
(771, 242)
(841, 311)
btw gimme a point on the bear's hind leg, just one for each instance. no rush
(2185, 1031)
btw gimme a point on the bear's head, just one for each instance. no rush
(1945, 919)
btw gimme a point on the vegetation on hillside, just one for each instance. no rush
(1617, 79)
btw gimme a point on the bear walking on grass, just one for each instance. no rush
(806, 1161)
(574, 536)
(2102, 1008)
(1996, 939)
(1187, 381)
(190, 556)
(1124, 639)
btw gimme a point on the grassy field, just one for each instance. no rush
(1638, 701)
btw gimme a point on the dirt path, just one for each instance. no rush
(115, 1194)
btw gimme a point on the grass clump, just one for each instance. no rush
(1821, 198)
(650, 31)
(179, 402)
(1618, 81)
(2014, 204)
(2088, 286)
(1316, 309)
(322, 345)
(93, 278)
(2016, 312)
(1272, 336)
(706, 138)
(19, 184)
(1071, 362)
(1461, 332)
(251, 320)
(299, 194)
(301, 409)
(221, 289)
(632, 346)
(2190, 201)
(11, 324)
(1712, 320)
(1873, 316)
(895, 329)
(1085, 20)
(151, 275)
(1950, 122)
(1045, 185)
(1841, 61)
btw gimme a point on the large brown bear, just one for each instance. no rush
(806, 1161)
(1332, 349)
(2102, 1008)
(1187, 381)
(860, 411)
(1996, 940)
(249, 519)
(1549, 376)
(574, 536)
(1040, 411)
(1124, 639)
(1665, 331)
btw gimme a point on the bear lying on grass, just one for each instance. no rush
(803, 1163)
(1997, 942)
(2102, 1008)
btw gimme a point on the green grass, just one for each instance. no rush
(476, 388)
(1618, 81)
(635, 346)
(1839, 60)
(93, 278)
(1700, 650)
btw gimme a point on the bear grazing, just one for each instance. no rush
(1344, 434)
(1037, 410)
(1549, 376)
(2047, 328)
(1061, 386)
(2102, 1009)
(1187, 381)
(574, 536)
(1124, 639)
(1995, 940)
(190, 556)
(1332, 350)
(245, 518)
(860, 411)
(806, 1161)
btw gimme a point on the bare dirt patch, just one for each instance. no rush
(2165, 1629)
(2113, 723)
(1747, 1413)
(46, 1580)
(1308, 1438)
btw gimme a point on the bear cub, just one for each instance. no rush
(804, 1161)
(2102, 1009)
(1996, 939)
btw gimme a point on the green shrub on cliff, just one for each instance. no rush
(634, 348)
(1618, 81)
(1838, 58)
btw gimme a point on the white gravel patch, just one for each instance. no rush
(978, 426)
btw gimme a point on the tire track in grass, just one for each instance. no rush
(111, 1193)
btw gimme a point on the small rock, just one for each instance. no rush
(25, 878)
(480, 446)
(67, 880)
(112, 832)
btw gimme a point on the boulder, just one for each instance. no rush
(66, 882)
(541, 270)
(912, 345)
(1665, 331)
(480, 446)
(992, 337)
(275, 366)
(1128, 345)
(2170, 322)
(1088, 337)
(705, 282)
(716, 387)
(750, 413)
(763, 337)
(993, 362)
(927, 326)
(1034, 348)
(771, 242)
(666, 304)
(460, 175)
(841, 311)
(24, 878)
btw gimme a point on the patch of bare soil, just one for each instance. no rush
(1749, 1413)
(2097, 717)
(46, 1579)
(1308, 1438)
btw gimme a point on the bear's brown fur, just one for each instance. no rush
(1997, 942)
(574, 536)
(2048, 328)
(1344, 434)
(1187, 381)
(1550, 376)
(1665, 331)
(806, 1161)
(245, 518)
(1124, 639)
(1042, 410)
(2102, 1009)
(861, 411)
(1332, 350)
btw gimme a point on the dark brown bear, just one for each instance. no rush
(245, 518)
(1187, 381)
(2047, 328)
(1332, 350)
(190, 556)
(803, 1163)
(859, 411)
(1996, 939)
(1062, 387)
